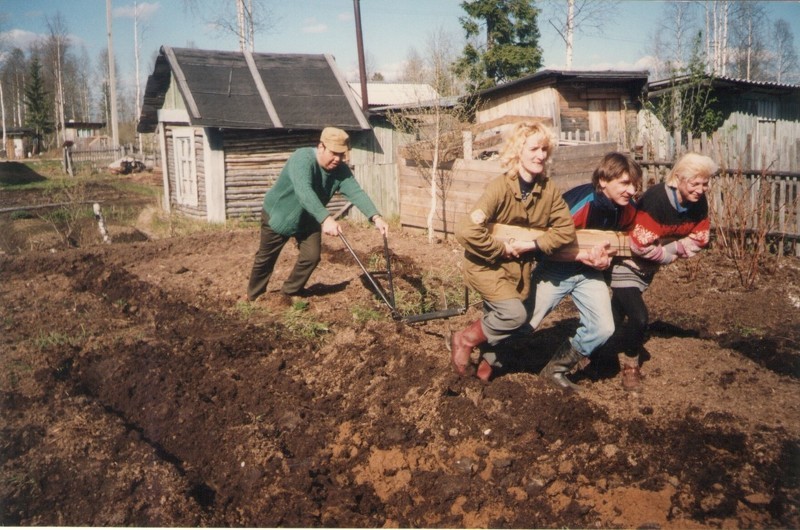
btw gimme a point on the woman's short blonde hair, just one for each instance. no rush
(691, 165)
(509, 156)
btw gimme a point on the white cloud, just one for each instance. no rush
(312, 25)
(646, 62)
(345, 16)
(18, 38)
(145, 10)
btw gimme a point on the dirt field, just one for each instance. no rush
(139, 388)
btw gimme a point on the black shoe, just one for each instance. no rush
(302, 293)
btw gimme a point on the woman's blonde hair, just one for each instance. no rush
(509, 156)
(689, 166)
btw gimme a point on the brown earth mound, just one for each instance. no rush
(138, 388)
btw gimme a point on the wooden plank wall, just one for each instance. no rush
(253, 162)
(743, 142)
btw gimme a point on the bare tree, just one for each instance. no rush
(748, 34)
(717, 14)
(784, 53)
(442, 54)
(242, 18)
(84, 88)
(112, 80)
(672, 41)
(436, 67)
(435, 134)
(56, 50)
(413, 67)
(14, 72)
(139, 30)
(2, 97)
(590, 17)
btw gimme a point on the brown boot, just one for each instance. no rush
(462, 343)
(631, 374)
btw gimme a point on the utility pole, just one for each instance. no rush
(112, 80)
(362, 70)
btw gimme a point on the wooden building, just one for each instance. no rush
(601, 104)
(85, 134)
(19, 142)
(760, 127)
(228, 121)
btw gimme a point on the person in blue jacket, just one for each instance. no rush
(603, 204)
(295, 207)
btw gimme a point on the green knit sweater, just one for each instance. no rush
(296, 203)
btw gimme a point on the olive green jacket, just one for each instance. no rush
(485, 269)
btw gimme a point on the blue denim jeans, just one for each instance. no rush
(552, 281)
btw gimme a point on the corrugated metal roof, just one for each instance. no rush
(252, 90)
(386, 94)
(663, 83)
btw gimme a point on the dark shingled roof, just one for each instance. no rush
(244, 90)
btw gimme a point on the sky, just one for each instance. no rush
(390, 28)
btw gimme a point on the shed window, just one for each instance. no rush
(185, 170)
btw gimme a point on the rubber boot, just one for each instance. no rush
(560, 365)
(631, 374)
(462, 343)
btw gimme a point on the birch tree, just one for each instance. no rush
(435, 140)
(57, 45)
(590, 17)
(784, 54)
(717, 20)
(139, 29)
(748, 33)
(241, 18)
(441, 54)
(14, 72)
(672, 41)
(2, 95)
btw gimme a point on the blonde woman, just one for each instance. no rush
(500, 270)
(671, 223)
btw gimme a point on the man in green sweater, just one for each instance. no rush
(296, 207)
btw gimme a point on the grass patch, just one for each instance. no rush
(127, 186)
(46, 340)
(301, 324)
(364, 314)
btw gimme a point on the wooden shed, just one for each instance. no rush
(601, 104)
(760, 127)
(228, 121)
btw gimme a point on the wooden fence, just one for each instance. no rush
(466, 179)
(102, 157)
(771, 200)
(743, 142)
(759, 200)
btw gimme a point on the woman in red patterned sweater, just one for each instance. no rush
(671, 223)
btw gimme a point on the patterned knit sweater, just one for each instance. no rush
(663, 231)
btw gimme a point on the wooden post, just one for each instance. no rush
(748, 152)
(467, 140)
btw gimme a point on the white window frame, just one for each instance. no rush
(183, 151)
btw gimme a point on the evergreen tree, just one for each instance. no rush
(38, 113)
(511, 49)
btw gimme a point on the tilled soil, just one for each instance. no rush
(139, 388)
